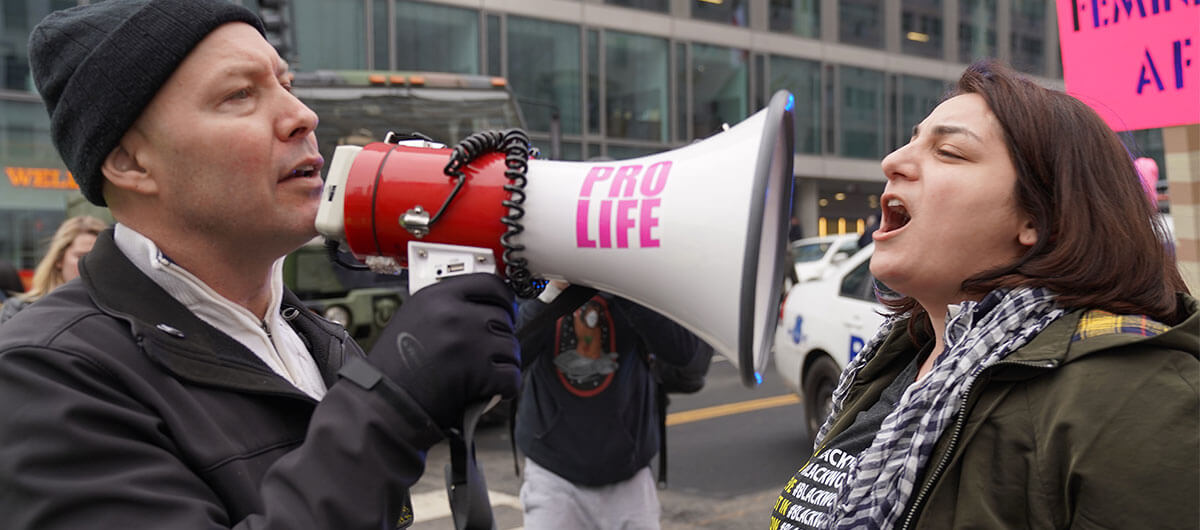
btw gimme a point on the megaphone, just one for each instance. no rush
(696, 234)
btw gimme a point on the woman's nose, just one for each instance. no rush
(899, 164)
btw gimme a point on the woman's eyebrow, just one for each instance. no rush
(946, 130)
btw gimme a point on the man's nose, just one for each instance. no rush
(298, 120)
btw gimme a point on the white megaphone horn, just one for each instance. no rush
(696, 234)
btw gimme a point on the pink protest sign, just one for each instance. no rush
(1137, 62)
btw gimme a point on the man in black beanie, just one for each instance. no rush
(177, 383)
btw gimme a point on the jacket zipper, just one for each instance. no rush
(959, 422)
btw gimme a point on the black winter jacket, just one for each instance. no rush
(599, 429)
(124, 410)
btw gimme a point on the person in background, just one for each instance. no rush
(588, 421)
(795, 231)
(71, 241)
(1040, 369)
(178, 383)
(1147, 170)
(10, 280)
(872, 224)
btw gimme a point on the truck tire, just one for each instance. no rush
(819, 382)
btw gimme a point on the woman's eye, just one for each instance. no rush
(948, 154)
(240, 94)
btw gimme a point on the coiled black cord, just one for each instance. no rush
(333, 251)
(514, 143)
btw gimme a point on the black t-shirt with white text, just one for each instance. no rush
(808, 497)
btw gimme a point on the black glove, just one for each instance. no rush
(452, 344)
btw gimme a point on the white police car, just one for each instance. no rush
(823, 324)
(814, 255)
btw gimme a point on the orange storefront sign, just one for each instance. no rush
(40, 178)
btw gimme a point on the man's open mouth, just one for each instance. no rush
(301, 172)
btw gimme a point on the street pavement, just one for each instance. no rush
(731, 449)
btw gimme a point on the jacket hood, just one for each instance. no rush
(1047, 345)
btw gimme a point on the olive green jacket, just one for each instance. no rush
(1094, 431)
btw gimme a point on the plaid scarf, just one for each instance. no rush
(880, 484)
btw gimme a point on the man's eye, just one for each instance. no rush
(240, 94)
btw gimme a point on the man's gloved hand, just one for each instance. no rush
(452, 344)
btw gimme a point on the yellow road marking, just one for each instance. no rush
(707, 413)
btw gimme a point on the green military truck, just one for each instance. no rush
(359, 107)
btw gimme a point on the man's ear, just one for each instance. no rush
(122, 170)
(1027, 235)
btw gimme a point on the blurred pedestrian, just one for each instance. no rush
(10, 281)
(179, 384)
(868, 234)
(1147, 170)
(71, 241)
(1041, 369)
(590, 414)
(795, 231)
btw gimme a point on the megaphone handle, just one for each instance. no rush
(466, 487)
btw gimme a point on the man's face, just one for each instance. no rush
(231, 150)
(70, 261)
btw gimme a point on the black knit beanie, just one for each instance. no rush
(98, 66)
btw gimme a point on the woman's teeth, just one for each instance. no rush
(899, 214)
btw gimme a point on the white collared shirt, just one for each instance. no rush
(269, 337)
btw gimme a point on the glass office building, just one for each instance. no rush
(627, 77)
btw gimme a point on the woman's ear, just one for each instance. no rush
(1028, 234)
(122, 170)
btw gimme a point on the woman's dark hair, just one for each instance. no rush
(1100, 242)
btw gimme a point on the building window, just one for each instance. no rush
(799, 17)
(570, 151)
(803, 79)
(333, 34)
(18, 18)
(25, 135)
(593, 81)
(1027, 40)
(921, 28)
(544, 70)
(649, 5)
(636, 85)
(918, 97)
(381, 44)
(860, 22)
(860, 112)
(680, 107)
(625, 152)
(436, 38)
(494, 46)
(976, 29)
(30, 209)
(733, 12)
(719, 88)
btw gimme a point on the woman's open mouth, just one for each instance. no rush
(895, 215)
